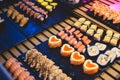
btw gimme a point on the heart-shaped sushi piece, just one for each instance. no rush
(100, 46)
(93, 51)
(66, 50)
(90, 67)
(103, 59)
(112, 55)
(76, 58)
(54, 42)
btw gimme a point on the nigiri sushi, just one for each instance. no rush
(90, 32)
(83, 28)
(114, 41)
(24, 21)
(107, 39)
(82, 20)
(87, 23)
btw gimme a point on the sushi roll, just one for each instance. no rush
(103, 59)
(15, 14)
(19, 17)
(87, 42)
(54, 4)
(29, 78)
(24, 21)
(40, 1)
(49, 7)
(10, 12)
(81, 49)
(100, 31)
(109, 33)
(100, 46)
(76, 58)
(116, 35)
(82, 20)
(15, 66)
(112, 55)
(49, 1)
(90, 32)
(78, 44)
(23, 75)
(114, 41)
(77, 24)
(93, 26)
(97, 37)
(72, 30)
(89, 67)
(44, 4)
(93, 51)
(87, 23)
(115, 50)
(83, 28)
(54, 42)
(66, 50)
(9, 62)
(107, 39)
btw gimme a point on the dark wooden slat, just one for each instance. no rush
(113, 73)
(7, 55)
(105, 76)
(2, 60)
(21, 48)
(28, 44)
(116, 66)
(53, 31)
(46, 33)
(15, 52)
(68, 21)
(73, 18)
(34, 41)
(41, 37)
(58, 27)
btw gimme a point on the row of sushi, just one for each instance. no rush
(75, 37)
(111, 37)
(75, 57)
(18, 17)
(104, 11)
(108, 56)
(48, 4)
(92, 30)
(32, 10)
(17, 71)
(44, 66)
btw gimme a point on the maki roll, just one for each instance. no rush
(87, 23)
(116, 51)
(77, 24)
(82, 20)
(112, 55)
(97, 37)
(49, 7)
(114, 41)
(93, 51)
(107, 39)
(100, 46)
(93, 26)
(109, 33)
(103, 59)
(83, 28)
(90, 32)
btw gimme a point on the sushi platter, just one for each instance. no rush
(106, 14)
(77, 46)
(25, 26)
